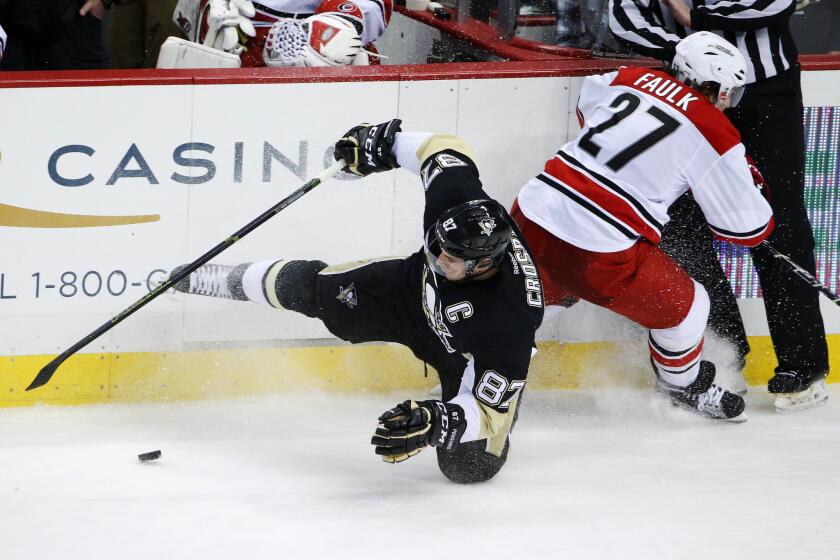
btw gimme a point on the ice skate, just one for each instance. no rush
(798, 390)
(214, 280)
(706, 397)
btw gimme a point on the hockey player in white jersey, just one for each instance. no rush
(593, 217)
(286, 32)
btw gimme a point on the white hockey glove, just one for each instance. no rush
(229, 25)
(325, 39)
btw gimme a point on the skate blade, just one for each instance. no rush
(740, 419)
(812, 397)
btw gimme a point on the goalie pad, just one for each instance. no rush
(180, 53)
(325, 39)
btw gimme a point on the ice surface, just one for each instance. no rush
(614, 474)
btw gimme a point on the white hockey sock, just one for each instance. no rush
(678, 368)
(676, 351)
(257, 277)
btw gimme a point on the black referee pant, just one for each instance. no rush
(687, 239)
(769, 119)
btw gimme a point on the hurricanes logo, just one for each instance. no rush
(487, 226)
(347, 296)
(347, 7)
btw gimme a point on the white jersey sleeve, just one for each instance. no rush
(376, 16)
(407, 149)
(591, 93)
(734, 207)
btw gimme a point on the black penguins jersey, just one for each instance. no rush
(479, 335)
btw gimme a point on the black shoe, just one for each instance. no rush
(793, 381)
(796, 390)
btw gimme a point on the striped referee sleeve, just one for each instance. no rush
(741, 15)
(636, 24)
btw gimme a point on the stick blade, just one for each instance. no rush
(45, 374)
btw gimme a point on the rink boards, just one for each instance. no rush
(152, 169)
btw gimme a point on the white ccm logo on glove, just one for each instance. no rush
(369, 144)
(444, 422)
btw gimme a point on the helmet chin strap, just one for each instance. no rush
(470, 265)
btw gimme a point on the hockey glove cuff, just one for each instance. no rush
(411, 426)
(758, 179)
(369, 148)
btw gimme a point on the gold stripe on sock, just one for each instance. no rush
(271, 281)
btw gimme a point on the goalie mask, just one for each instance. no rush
(472, 231)
(704, 60)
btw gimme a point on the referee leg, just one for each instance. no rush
(770, 122)
(687, 240)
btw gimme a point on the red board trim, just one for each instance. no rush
(458, 71)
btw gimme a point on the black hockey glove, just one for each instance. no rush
(367, 148)
(406, 429)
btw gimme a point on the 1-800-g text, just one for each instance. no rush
(90, 283)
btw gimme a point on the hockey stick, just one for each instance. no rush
(801, 272)
(48, 370)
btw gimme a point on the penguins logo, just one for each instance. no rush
(487, 226)
(347, 296)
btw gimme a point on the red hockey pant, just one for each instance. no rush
(641, 283)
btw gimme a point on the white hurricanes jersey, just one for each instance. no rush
(646, 139)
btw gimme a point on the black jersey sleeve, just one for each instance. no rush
(449, 178)
(745, 15)
(447, 168)
(492, 385)
(498, 337)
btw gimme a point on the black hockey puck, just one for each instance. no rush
(150, 456)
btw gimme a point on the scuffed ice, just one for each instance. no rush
(612, 474)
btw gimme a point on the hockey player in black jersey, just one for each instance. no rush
(468, 303)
